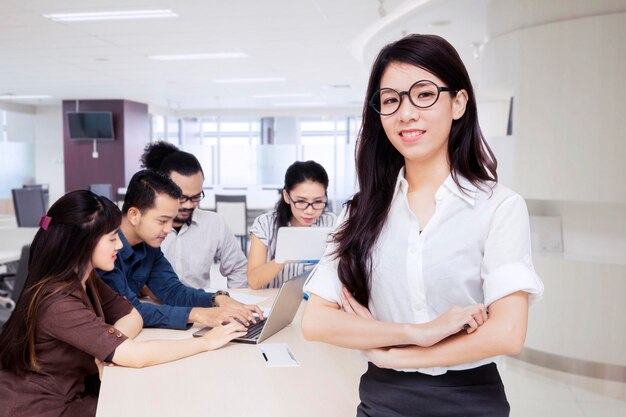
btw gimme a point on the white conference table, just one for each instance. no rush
(8, 256)
(234, 381)
(11, 241)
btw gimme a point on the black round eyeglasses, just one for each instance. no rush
(422, 94)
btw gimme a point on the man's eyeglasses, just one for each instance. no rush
(194, 198)
(303, 204)
(423, 94)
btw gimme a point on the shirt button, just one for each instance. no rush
(111, 330)
(118, 335)
(413, 249)
(417, 307)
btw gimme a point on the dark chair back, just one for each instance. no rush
(105, 190)
(45, 188)
(29, 205)
(12, 286)
(21, 273)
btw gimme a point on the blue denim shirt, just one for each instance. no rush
(141, 265)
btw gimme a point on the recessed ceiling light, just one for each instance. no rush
(440, 23)
(286, 95)
(22, 96)
(248, 80)
(302, 103)
(193, 57)
(111, 15)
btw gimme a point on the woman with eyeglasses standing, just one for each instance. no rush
(427, 241)
(301, 204)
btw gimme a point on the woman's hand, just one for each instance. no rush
(352, 306)
(451, 322)
(220, 335)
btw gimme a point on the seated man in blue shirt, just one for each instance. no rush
(150, 206)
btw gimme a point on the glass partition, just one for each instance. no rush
(17, 166)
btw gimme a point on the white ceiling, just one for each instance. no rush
(321, 47)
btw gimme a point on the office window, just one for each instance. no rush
(230, 150)
(157, 127)
(167, 128)
(173, 130)
(3, 125)
(239, 139)
(330, 141)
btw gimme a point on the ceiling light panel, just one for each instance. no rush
(248, 80)
(23, 96)
(111, 15)
(197, 57)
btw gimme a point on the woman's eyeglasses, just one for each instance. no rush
(423, 94)
(303, 204)
(194, 198)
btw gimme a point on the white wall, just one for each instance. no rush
(49, 167)
(20, 127)
(564, 62)
(567, 80)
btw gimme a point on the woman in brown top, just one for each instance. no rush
(68, 323)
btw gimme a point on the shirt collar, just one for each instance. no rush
(127, 251)
(402, 185)
(467, 191)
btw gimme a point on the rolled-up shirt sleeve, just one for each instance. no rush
(507, 265)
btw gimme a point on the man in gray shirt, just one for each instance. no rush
(200, 237)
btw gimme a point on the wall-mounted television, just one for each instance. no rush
(90, 125)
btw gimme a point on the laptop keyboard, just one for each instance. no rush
(254, 330)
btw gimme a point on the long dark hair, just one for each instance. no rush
(378, 162)
(297, 173)
(165, 158)
(59, 258)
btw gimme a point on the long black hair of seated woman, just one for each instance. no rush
(59, 258)
(378, 162)
(297, 173)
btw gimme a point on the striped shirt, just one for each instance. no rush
(264, 228)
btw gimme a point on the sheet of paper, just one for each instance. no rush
(277, 355)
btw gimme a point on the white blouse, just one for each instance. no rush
(475, 249)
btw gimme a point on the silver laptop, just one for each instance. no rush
(301, 244)
(282, 313)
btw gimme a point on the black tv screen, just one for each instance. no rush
(97, 125)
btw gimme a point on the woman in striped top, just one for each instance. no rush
(301, 204)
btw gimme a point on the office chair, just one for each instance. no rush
(29, 205)
(234, 209)
(104, 190)
(46, 192)
(12, 284)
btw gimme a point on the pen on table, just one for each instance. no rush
(291, 355)
(264, 356)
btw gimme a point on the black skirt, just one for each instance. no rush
(474, 392)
